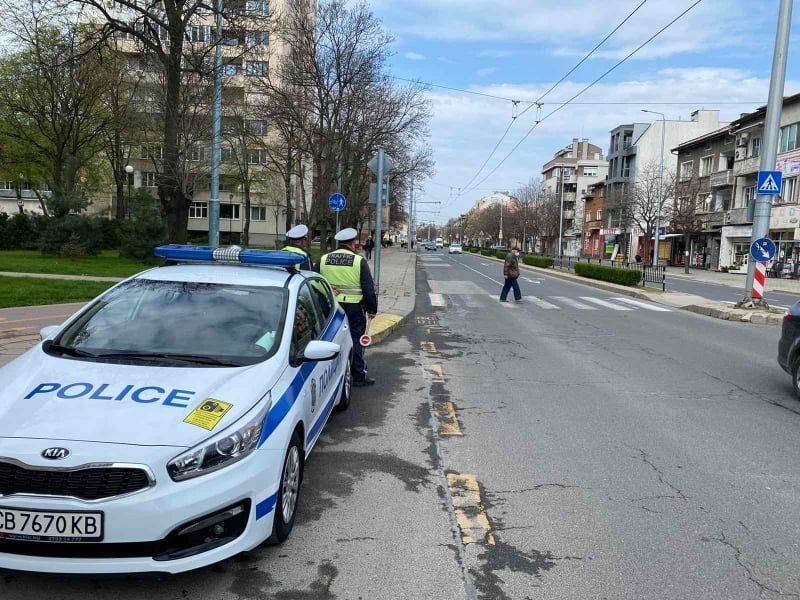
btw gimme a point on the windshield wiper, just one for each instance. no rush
(191, 358)
(69, 350)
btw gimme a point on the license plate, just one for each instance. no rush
(50, 526)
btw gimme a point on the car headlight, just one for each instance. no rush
(227, 447)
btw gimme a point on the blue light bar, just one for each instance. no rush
(272, 258)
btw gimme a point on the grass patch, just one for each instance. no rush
(28, 291)
(107, 264)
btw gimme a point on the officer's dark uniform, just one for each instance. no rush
(349, 275)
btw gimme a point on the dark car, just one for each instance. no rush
(789, 345)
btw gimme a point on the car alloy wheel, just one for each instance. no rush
(291, 483)
(347, 388)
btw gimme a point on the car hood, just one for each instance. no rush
(54, 398)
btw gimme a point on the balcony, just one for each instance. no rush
(721, 179)
(746, 167)
(569, 214)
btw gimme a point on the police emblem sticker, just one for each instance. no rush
(208, 413)
(313, 395)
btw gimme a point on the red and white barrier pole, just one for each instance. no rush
(759, 278)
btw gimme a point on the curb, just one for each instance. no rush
(724, 314)
(384, 324)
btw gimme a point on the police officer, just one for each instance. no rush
(297, 241)
(349, 275)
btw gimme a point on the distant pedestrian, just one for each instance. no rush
(511, 273)
(369, 246)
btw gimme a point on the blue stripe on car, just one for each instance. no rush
(264, 507)
(323, 416)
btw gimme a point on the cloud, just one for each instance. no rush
(485, 71)
(494, 53)
(447, 61)
(414, 56)
(461, 145)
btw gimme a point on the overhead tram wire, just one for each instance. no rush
(593, 83)
(538, 102)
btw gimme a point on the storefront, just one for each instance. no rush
(734, 246)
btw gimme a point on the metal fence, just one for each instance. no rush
(653, 275)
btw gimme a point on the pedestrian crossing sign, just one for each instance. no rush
(769, 183)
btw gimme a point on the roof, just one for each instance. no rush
(219, 273)
(707, 137)
(761, 112)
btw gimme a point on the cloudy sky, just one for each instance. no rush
(721, 51)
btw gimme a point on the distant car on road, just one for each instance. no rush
(455, 249)
(789, 345)
(431, 246)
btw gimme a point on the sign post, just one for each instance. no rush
(761, 251)
(336, 203)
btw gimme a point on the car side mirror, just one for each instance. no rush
(317, 351)
(45, 333)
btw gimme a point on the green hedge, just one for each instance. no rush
(538, 261)
(487, 252)
(611, 274)
(501, 254)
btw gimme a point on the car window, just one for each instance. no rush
(238, 324)
(306, 326)
(323, 298)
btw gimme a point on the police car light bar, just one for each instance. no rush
(272, 258)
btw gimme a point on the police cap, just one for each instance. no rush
(346, 235)
(297, 232)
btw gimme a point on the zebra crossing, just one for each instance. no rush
(442, 298)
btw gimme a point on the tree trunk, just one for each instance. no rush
(287, 184)
(119, 175)
(246, 227)
(120, 193)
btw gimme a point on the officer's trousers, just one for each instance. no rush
(358, 327)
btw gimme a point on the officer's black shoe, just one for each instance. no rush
(363, 382)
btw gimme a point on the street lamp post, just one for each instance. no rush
(660, 182)
(21, 206)
(129, 176)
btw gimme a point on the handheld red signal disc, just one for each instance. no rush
(365, 340)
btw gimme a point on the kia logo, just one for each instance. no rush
(55, 453)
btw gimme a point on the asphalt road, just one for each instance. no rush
(577, 445)
(727, 293)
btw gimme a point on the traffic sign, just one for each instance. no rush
(337, 202)
(769, 183)
(762, 250)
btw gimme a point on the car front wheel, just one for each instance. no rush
(288, 491)
(347, 389)
(796, 375)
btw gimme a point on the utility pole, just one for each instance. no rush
(561, 211)
(769, 145)
(660, 184)
(501, 222)
(216, 132)
(411, 217)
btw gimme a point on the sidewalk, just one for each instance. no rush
(61, 276)
(730, 279)
(396, 293)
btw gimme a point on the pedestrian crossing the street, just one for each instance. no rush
(459, 297)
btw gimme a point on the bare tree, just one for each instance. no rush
(690, 201)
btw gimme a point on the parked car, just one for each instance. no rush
(789, 345)
(454, 249)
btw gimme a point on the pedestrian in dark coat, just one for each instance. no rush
(511, 273)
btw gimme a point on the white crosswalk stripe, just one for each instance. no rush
(644, 305)
(437, 300)
(540, 303)
(605, 304)
(573, 303)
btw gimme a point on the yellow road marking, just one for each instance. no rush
(438, 375)
(470, 514)
(449, 425)
(428, 346)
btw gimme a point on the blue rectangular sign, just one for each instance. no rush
(769, 183)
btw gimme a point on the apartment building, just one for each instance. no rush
(594, 206)
(635, 147)
(248, 51)
(568, 176)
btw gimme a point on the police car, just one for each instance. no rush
(164, 426)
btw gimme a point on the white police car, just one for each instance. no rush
(164, 427)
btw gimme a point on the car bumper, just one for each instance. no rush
(140, 530)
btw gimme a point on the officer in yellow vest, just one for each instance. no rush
(297, 241)
(349, 275)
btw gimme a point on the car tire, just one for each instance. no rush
(796, 375)
(347, 389)
(288, 497)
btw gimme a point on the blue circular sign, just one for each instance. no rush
(337, 202)
(763, 249)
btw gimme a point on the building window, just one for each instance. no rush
(626, 166)
(706, 166)
(755, 147)
(257, 7)
(198, 33)
(227, 154)
(230, 70)
(789, 191)
(258, 38)
(258, 213)
(149, 179)
(231, 37)
(229, 211)
(687, 169)
(256, 68)
(152, 151)
(789, 138)
(749, 193)
(257, 156)
(198, 210)
(599, 215)
(195, 153)
(227, 184)
(257, 126)
(590, 171)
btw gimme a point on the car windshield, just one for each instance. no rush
(180, 322)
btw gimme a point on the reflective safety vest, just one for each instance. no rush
(297, 250)
(342, 269)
